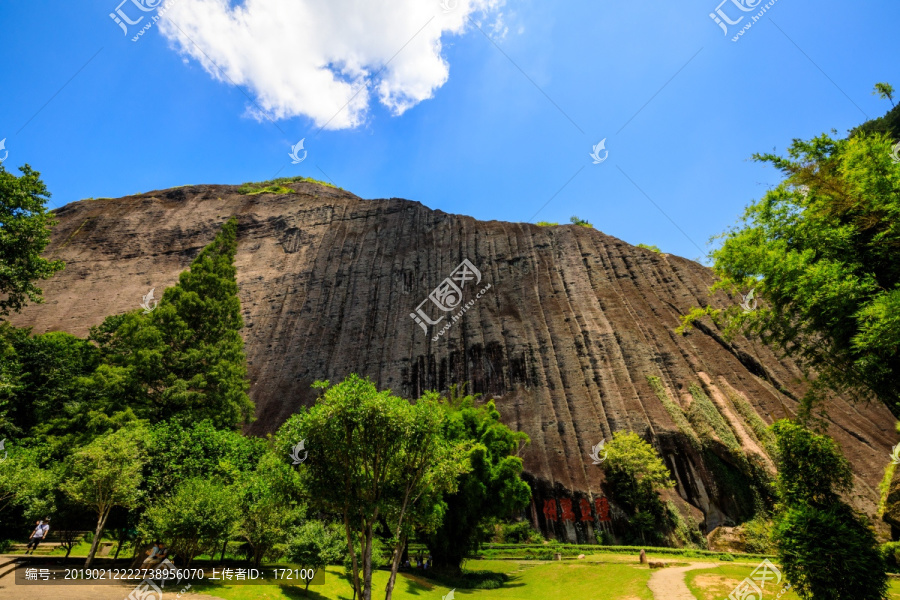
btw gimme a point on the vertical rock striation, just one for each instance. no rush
(573, 335)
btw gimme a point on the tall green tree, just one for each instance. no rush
(827, 550)
(52, 366)
(635, 474)
(185, 359)
(372, 456)
(105, 474)
(823, 252)
(492, 488)
(270, 508)
(24, 234)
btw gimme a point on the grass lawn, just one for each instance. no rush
(715, 584)
(602, 578)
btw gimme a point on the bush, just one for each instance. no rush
(726, 557)
(830, 554)
(469, 580)
(758, 535)
(519, 533)
(890, 552)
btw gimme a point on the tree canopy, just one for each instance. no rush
(823, 251)
(24, 234)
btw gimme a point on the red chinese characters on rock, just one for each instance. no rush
(585, 508)
(550, 510)
(602, 505)
(566, 505)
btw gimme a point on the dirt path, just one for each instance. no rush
(10, 591)
(668, 583)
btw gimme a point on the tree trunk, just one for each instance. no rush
(395, 565)
(352, 557)
(367, 565)
(101, 523)
(224, 546)
(119, 545)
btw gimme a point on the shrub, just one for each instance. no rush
(890, 552)
(519, 533)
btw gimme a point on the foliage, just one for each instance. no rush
(179, 453)
(758, 535)
(651, 248)
(825, 548)
(546, 224)
(635, 474)
(889, 125)
(890, 552)
(185, 359)
(811, 468)
(24, 234)
(10, 378)
(520, 532)
(742, 475)
(373, 456)
(52, 367)
(278, 186)
(492, 488)
(581, 222)
(884, 91)
(193, 518)
(107, 473)
(315, 545)
(23, 481)
(706, 418)
(830, 553)
(822, 250)
(268, 510)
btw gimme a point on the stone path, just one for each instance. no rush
(668, 583)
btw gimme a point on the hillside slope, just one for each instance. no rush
(569, 325)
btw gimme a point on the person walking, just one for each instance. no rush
(41, 529)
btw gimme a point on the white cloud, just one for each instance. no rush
(323, 59)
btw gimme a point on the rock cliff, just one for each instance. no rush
(571, 330)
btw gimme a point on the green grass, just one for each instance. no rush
(609, 580)
(278, 186)
(715, 584)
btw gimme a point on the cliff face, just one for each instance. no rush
(562, 325)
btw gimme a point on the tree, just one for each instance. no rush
(635, 474)
(581, 222)
(427, 466)
(268, 510)
(10, 378)
(823, 251)
(371, 456)
(884, 90)
(827, 550)
(107, 473)
(316, 545)
(199, 450)
(193, 518)
(23, 481)
(24, 234)
(51, 367)
(185, 359)
(492, 488)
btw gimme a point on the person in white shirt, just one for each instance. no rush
(42, 528)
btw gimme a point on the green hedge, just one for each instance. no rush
(548, 550)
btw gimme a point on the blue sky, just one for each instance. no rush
(508, 135)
